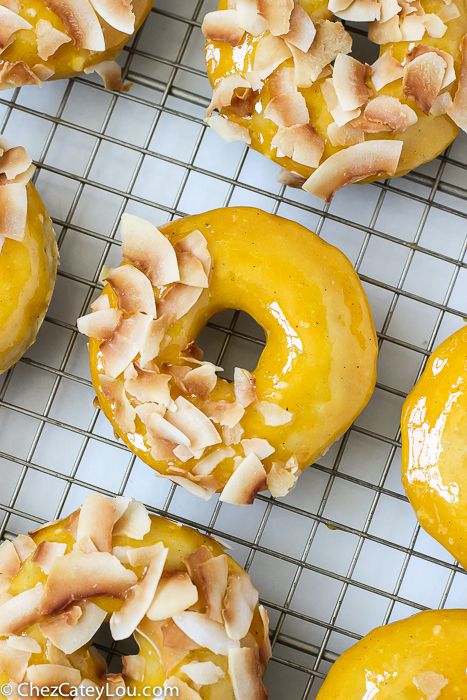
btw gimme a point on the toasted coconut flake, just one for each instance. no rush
(349, 78)
(139, 598)
(331, 39)
(116, 684)
(390, 113)
(149, 250)
(441, 105)
(184, 692)
(152, 340)
(178, 301)
(77, 576)
(133, 667)
(245, 482)
(175, 594)
(198, 486)
(47, 554)
(420, 49)
(225, 413)
(100, 324)
(10, 23)
(385, 32)
(14, 162)
(81, 22)
(430, 684)
(205, 632)
(196, 244)
(203, 672)
(340, 116)
(281, 479)
(273, 414)
(135, 522)
(270, 53)
(96, 521)
(21, 611)
(18, 73)
(434, 25)
(389, 8)
(228, 130)
(117, 13)
(111, 74)
(290, 179)
(368, 159)
(208, 464)
(244, 672)
(13, 662)
(265, 648)
(194, 424)
(13, 211)
(448, 12)
(200, 381)
(361, 11)
(149, 386)
(257, 446)
(386, 70)
(10, 563)
(212, 577)
(302, 30)
(124, 345)
(300, 143)
(133, 289)
(240, 603)
(24, 644)
(346, 135)
(412, 27)
(25, 546)
(53, 675)
(160, 428)
(249, 18)
(224, 91)
(223, 25)
(49, 39)
(42, 72)
(192, 271)
(277, 15)
(244, 387)
(423, 78)
(136, 556)
(287, 110)
(114, 392)
(458, 110)
(68, 634)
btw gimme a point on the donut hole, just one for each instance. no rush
(232, 338)
(363, 49)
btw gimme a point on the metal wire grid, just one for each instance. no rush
(342, 553)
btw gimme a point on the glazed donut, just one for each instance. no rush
(434, 446)
(314, 376)
(45, 39)
(285, 83)
(192, 609)
(28, 256)
(421, 658)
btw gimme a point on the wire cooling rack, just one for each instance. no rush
(342, 553)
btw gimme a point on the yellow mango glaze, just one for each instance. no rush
(180, 541)
(434, 446)
(320, 355)
(28, 270)
(422, 142)
(68, 60)
(426, 650)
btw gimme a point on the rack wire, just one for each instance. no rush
(342, 553)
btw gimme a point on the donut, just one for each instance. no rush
(168, 405)
(191, 608)
(46, 39)
(421, 658)
(285, 83)
(28, 256)
(434, 447)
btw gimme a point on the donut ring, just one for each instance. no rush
(434, 449)
(28, 257)
(47, 39)
(422, 657)
(192, 609)
(314, 377)
(331, 125)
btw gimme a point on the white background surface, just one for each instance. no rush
(342, 553)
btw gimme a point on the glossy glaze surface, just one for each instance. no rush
(426, 650)
(434, 446)
(320, 356)
(27, 276)
(181, 541)
(422, 142)
(68, 60)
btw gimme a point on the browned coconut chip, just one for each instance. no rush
(423, 78)
(361, 11)
(420, 49)
(277, 14)
(69, 635)
(24, 644)
(205, 632)
(18, 73)
(111, 74)
(47, 554)
(448, 12)
(135, 522)
(273, 414)
(124, 345)
(331, 39)
(458, 110)
(175, 594)
(199, 486)
(247, 479)
(133, 667)
(53, 675)
(14, 162)
(249, 18)
(13, 662)
(386, 70)
(152, 340)
(77, 576)
(340, 116)
(21, 611)
(430, 684)
(385, 32)
(388, 114)
(160, 429)
(200, 381)
(196, 244)
(133, 289)
(441, 105)
(10, 563)
(5, 583)
(192, 271)
(49, 39)
(225, 413)
(25, 546)
(10, 23)
(389, 8)
(136, 556)
(245, 674)
(116, 684)
(300, 143)
(244, 387)
(302, 30)
(138, 599)
(240, 603)
(149, 250)
(178, 301)
(265, 648)
(290, 179)
(282, 478)
(223, 25)
(148, 385)
(81, 22)
(42, 72)
(117, 13)
(345, 135)
(114, 392)
(258, 446)
(367, 159)
(412, 27)
(208, 464)
(96, 521)
(194, 424)
(271, 52)
(434, 25)
(211, 578)
(13, 211)
(349, 78)
(184, 692)
(224, 91)
(203, 672)
(100, 324)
